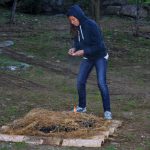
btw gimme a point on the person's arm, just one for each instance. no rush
(76, 43)
(75, 47)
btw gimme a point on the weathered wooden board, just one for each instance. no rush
(82, 142)
(31, 139)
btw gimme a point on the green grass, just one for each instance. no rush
(121, 37)
(20, 146)
(36, 40)
(45, 45)
(130, 136)
(14, 146)
(147, 143)
(7, 64)
(148, 116)
(111, 147)
(5, 148)
(7, 61)
(129, 105)
(9, 112)
(139, 148)
(4, 15)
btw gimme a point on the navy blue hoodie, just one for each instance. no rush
(89, 38)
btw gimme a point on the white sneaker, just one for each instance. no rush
(80, 109)
(107, 115)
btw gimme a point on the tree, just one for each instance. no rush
(13, 11)
(95, 9)
(137, 18)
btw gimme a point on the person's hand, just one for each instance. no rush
(71, 51)
(78, 53)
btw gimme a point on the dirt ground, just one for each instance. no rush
(54, 89)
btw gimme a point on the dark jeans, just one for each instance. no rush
(85, 68)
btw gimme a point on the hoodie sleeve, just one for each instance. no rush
(96, 40)
(76, 43)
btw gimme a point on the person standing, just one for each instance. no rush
(89, 44)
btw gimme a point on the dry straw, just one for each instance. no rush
(41, 122)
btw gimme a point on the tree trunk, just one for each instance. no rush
(13, 11)
(95, 10)
(137, 19)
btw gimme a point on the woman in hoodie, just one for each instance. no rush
(89, 44)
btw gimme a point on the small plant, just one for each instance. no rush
(11, 110)
(6, 61)
(147, 143)
(131, 104)
(130, 137)
(111, 148)
(139, 148)
(4, 148)
(20, 145)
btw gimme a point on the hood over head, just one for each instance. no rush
(77, 12)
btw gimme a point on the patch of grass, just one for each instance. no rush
(5, 14)
(4, 119)
(4, 148)
(139, 148)
(35, 72)
(14, 146)
(67, 89)
(131, 1)
(11, 110)
(108, 33)
(139, 54)
(45, 45)
(137, 47)
(147, 143)
(130, 137)
(111, 147)
(148, 116)
(130, 105)
(39, 72)
(36, 40)
(7, 61)
(20, 146)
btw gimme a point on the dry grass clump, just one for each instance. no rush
(42, 122)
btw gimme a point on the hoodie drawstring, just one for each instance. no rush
(81, 33)
(78, 36)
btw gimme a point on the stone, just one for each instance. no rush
(31, 139)
(6, 43)
(131, 11)
(112, 10)
(115, 2)
(47, 6)
(82, 142)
